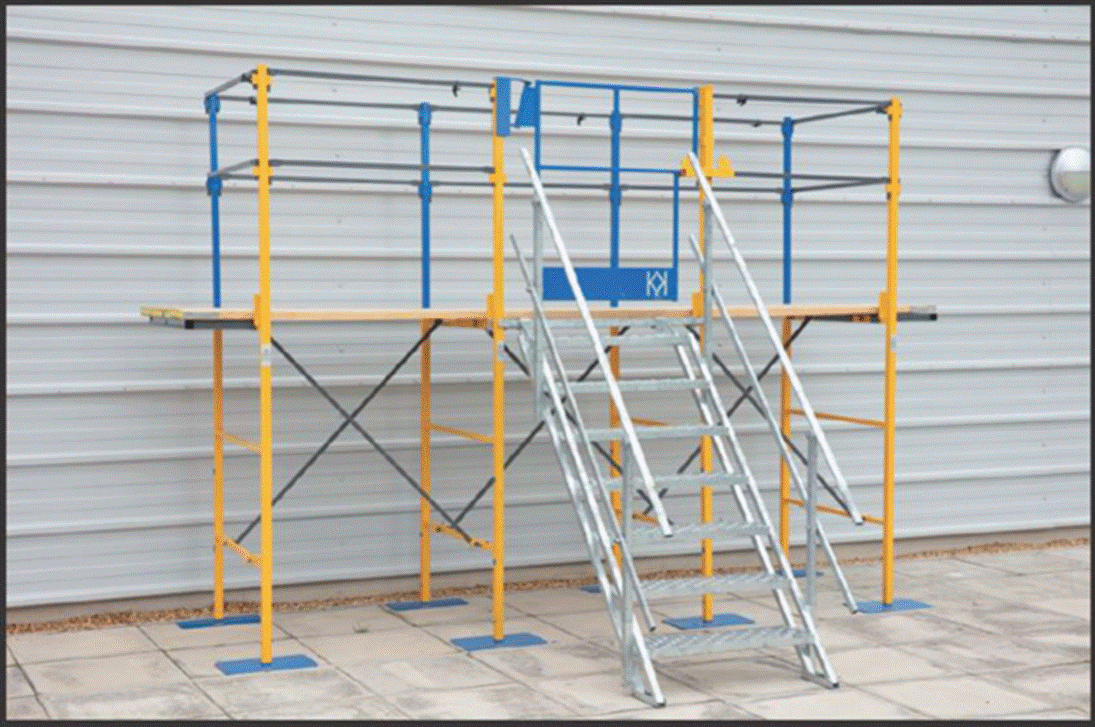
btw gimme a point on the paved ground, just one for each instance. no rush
(1008, 636)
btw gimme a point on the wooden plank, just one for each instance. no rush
(208, 315)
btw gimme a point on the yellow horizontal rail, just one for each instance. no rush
(475, 436)
(452, 532)
(240, 441)
(243, 552)
(841, 418)
(835, 511)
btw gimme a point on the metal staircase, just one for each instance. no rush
(612, 532)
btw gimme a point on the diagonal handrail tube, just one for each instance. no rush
(626, 425)
(556, 360)
(766, 320)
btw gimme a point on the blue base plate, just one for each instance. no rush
(592, 589)
(696, 622)
(202, 623)
(250, 666)
(415, 605)
(478, 643)
(801, 572)
(899, 604)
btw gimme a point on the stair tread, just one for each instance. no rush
(729, 583)
(705, 642)
(700, 478)
(720, 528)
(668, 384)
(667, 432)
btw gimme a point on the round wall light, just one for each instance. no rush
(1070, 174)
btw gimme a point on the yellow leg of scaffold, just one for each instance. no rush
(888, 302)
(425, 442)
(496, 310)
(218, 474)
(261, 81)
(785, 428)
(707, 161)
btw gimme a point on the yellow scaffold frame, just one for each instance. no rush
(490, 319)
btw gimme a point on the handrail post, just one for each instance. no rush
(888, 309)
(425, 193)
(811, 519)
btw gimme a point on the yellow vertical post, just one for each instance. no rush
(261, 80)
(707, 161)
(785, 428)
(218, 473)
(424, 384)
(495, 310)
(888, 309)
(616, 450)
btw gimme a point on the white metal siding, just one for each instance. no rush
(108, 437)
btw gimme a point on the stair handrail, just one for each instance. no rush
(766, 320)
(626, 424)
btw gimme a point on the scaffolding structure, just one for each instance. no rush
(612, 284)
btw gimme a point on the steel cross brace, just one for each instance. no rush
(350, 419)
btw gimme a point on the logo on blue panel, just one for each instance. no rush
(657, 283)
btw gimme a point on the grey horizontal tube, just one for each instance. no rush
(877, 108)
(743, 97)
(817, 177)
(411, 166)
(380, 79)
(242, 78)
(838, 185)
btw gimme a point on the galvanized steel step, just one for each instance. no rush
(641, 532)
(680, 481)
(685, 644)
(733, 583)
(668, 432)
(638, 340)
(640, 385)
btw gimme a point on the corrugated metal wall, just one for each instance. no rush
(108, 437)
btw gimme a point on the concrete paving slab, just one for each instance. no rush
(35, 648)
(303, 689)
(107, 674)
(745, 676)
(957, 697)
(366, 708)
(202, 661)
(909, 626)
(442, 672)
(528, 624)
(933, 569)
(1053, 714)
(357, 620)
(1076, 607)
(880, 664)
(25, 708)
(11, 657)
(1022, 562)
(16, 684)
(581, 626)
(713, 710)
(600, 694)
(1063, 686)
(1076, 643)
(167, 635)
(499, 702)
(845, 703)
(1005, 617)
(1028, 588)
(551, 661)
(476, 609)
(182, 701)
(554, 600)
(980, 653)
(1081, 554)
(346, 651)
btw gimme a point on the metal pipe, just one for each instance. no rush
(741, 98)
(322, 163)
(839, 185)
(322, 75)
(242, 78)
(223, 172)
(425, 193)
(877, 108)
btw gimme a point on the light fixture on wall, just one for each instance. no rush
(1070, 174)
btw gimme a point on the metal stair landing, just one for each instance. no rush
(606, 489)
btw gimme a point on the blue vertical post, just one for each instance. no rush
(536, 130)
(213, 186)
(425, 193)
(615, 122)
(696, 121)
(787, 198)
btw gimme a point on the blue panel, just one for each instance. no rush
(613, 284)
(720, 619)
(478, 643)
(528, 108)
(502, 106)
(202, 623)
(591, 589)
(801, 572)
(899, 604)
(415, 605)
(279, 663)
